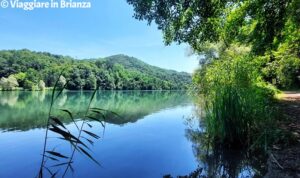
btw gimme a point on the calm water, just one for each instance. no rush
(155, 136)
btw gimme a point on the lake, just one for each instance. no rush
(156, 134)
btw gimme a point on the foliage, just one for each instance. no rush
(270, 28)
(198, 22)
(118, 72)
(8, 83)
(284, 73)
(91, 82)
(233, 78)
(29, 85)
(237, 100)
(192, 21)
(20, 78)
(79, 143)
(282, 65)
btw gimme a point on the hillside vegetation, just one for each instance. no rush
(37, 70)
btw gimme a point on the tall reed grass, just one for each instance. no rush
(237, 102)
(55, 163)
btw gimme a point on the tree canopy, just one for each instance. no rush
(258, 22)
(269, 27)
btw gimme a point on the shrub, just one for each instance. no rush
(8, 83)
(284, 72)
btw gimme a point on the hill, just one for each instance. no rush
(120, 72)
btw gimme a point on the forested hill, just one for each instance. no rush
(131, 63)
(36, 70)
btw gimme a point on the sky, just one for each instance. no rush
(107, 28)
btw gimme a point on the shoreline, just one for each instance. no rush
(50, 88)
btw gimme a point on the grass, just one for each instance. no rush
(238, 103)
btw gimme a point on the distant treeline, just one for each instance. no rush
(38, 70)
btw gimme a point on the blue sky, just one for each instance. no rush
(106, 29)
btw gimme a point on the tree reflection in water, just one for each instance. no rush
(216, 161)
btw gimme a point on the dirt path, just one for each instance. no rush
(291, 96)
(285, 161)
(290, 107)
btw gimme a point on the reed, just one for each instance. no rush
(238, 104)
(52, 160)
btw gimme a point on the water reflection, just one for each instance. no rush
(153, 147)
(217, 161)
(28, 110)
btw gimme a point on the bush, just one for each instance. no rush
(8, 83)
(238, 103)
(284, 72)
(282, 66)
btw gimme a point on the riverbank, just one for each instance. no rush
(284, 161)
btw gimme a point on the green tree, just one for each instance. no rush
(114, 72)
(8, 83)
(75, 82)
(271, 28)
(20, 77)
(29, 85)
(239, 42)
(33, 75)
(200, 22)
(90, 83)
